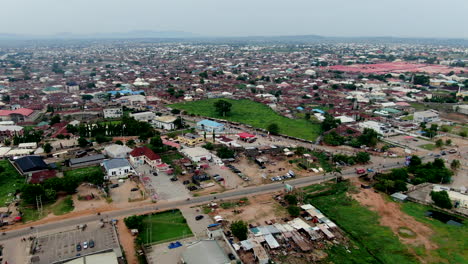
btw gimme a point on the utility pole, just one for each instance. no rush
(39, 205)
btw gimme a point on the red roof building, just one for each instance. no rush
(41, 176)
(142, 155)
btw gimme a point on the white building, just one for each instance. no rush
(112, 112)
(383, 129)
(117, 168)
(144, 116)
(197, 154)
(428, 116)
(164, 122)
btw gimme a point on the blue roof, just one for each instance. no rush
(299, 108)
(318, 110)
(209, 123)
(115, 163)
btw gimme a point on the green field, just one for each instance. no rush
(164, 226)
(10, 181)
(82, 171)
(370, 242)
(61, 207)
(428, 146)
(452, 240)
(254, 114)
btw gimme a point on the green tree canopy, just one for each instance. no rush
(273, 128)
(441, 199)
(222, 107)
(239, 229)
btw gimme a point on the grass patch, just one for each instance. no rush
(429, 146)
(63, 207)
(452, 240)
(372, 242)
(168, 157)
(419, 106)
(10, 181)
(82, 171)
(408, 117)
(164, 226)
(254, 114)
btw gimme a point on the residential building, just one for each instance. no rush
(87, 161)
(144, 116)
(17, 115)
(117, 151)
(30, 164)
(428, 116)
(144, 155)
(197, 154)
(165, 122)
(10, 130)
(190, 139)
(210, 126)
(112, 112)
(117, 168)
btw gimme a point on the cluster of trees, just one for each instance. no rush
(421, 80)
(134, 222)
(369, 138)
(360, 158)
(273, 128)
(293, 209)
(442, 99)
(177, 94)
(128, 127)
(329, 123)
(225, 153)
(416, 172)
(49, 189)
(156, 145)
(431, 131)
(441, 199)
(239, 229)
(29, 135)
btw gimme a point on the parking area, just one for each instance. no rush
(231, 180)
(165, 188)
(413, 143)
(64, 245)
(198, 227)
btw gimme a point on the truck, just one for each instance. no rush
(360, 170)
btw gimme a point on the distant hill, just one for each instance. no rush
(113, 35)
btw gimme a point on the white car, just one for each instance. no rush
(85, 245)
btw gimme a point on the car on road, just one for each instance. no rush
(115, 185)
(85, 245)
(199, 217)
(91, 243)
(134, 189)
(174, 179)
(78, 247)
(186, 182)
(437, 156)
(155, 173)
(370, 170)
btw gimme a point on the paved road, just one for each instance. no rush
(349, 173)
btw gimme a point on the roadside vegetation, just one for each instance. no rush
(10, 182)
(254, 114)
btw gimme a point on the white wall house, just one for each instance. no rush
(112, 112)
(164, 122)
(144, 116)
(428, 116)
(117, 168)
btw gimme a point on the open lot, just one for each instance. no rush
(10, 181)
(166, 189)
(62, 245)
(82, 171)
(254, 114)
(164, 226)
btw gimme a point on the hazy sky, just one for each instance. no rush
(402, 18)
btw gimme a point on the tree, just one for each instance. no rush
(291, 199)
(421, 80)
(455, 165)
(307, 116)
(415, 161)
(448, 142)
(82, 142)
(47, 148)
(439, 143)
(369, 137)
(54, 120)
(6, 98)
(441, 199)
(31, 191)
(134, 222)
(131, 143)
(175, 111)
(463, 133)
(329, 123)
(179, 123)
(225, 152)
(362, 157)
(332, 138)
(239, 229)
(119, 142)
(87, 97)
(101, 139)
(222, 107)
(273, 128)
(294, 210)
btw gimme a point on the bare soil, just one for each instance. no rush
(393, 217)
(259, 209)
(127, 241)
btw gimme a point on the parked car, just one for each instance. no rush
(134, 189)
(85, 245)
(199, 217)
(174, 179)
(155, 173)
(115, 185)
(78, 247)
(91, 243)
(186, 182)
(231, 256)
